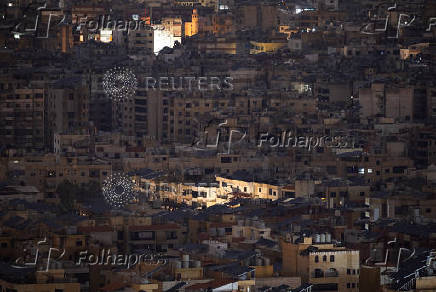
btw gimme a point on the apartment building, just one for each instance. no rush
(158, 237)
(322, 263)
(255, 189)
(141, 41)
(22, 118)
(47, 172)
(67, 108)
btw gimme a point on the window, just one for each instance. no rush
(316, 259)
(144, 235)
(348, 271)
(226, 160)
(78, 243)
(332, 258)
(171, 235)
(348, 285)
(399, 169)
(324, 258)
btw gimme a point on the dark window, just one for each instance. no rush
(332, 258)
(226, 160)
(316, 259)
(399, 169)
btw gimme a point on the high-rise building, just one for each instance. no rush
(67, 108)
(141, 41)
(22, 118)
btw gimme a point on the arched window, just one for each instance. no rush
(318, 273)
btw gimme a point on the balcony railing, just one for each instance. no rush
(329, 274)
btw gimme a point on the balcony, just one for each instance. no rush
(330, 273)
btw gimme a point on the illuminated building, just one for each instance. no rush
(191, 28)
(165, 37)
(266, 47)
(105, 35)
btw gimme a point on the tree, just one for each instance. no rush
(68, 193)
